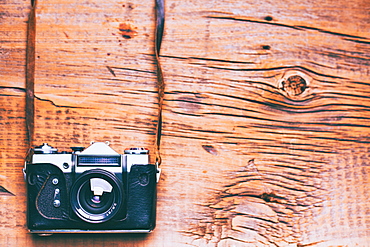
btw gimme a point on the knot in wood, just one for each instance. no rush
(294, 85)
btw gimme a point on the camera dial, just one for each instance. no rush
(45, 149)
(77, 149)
(137, 151)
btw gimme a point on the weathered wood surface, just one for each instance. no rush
(249, 157)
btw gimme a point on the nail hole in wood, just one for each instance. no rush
(268, 18)
(127, 30)
(210, 149)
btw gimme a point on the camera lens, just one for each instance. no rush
(96, 196)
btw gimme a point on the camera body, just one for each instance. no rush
(90, 190)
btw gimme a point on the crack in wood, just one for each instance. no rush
(42, 99)
(111, 71)
(5, 192)
(60, 106)
(297, 27)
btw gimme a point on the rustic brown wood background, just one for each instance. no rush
(250, 156)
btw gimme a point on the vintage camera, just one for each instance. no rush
(90, 190)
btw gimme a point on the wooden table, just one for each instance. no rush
(266, 116)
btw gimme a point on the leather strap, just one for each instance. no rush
(159, 6)
(30, 74)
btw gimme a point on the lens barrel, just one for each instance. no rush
(94, 208)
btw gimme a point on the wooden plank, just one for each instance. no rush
(266, 124)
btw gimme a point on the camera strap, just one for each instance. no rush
(30, 76)
(159, 6)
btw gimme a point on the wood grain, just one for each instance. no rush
(266, 114)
